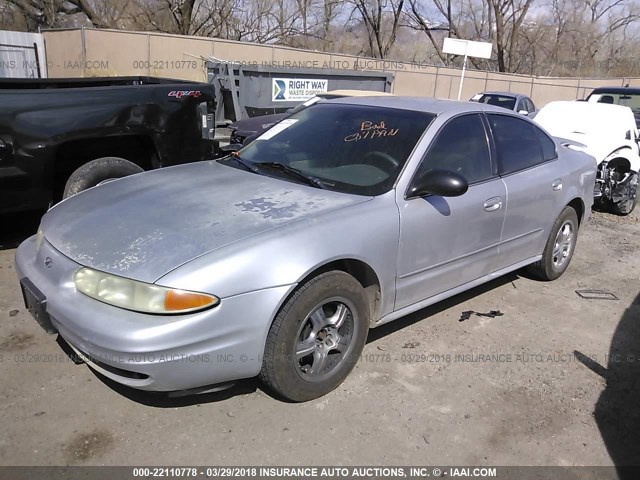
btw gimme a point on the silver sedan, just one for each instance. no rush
(511, 101)
(275, 261)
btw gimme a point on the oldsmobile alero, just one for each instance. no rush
(275, 261)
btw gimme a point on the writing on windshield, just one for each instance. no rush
(369, 129)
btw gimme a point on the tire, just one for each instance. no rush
(326, 321)
(623, 208)
(626, 206)
(92, 173)
(559, 249)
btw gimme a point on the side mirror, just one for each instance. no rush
(627, 135)
(438, 182)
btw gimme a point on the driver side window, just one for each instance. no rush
(460, 146)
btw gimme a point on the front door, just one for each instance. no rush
(447, 242)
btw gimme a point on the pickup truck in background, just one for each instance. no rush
(625, 96)
(61, 136)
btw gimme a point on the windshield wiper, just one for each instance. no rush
(292, 172)
(238, 159)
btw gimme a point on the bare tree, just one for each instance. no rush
(330, 10)
(545, 37)
(36, 14)
(508, 16)
(497, 21)
(381, 19)
(169, 16)
(419, 19)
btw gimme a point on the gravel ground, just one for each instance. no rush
(531, 387)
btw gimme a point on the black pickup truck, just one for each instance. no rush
(61, 136)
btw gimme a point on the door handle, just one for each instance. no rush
(557, 185)
(493, 204)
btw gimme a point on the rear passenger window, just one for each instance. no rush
(517, 143)
(548, 145)
(460, 146)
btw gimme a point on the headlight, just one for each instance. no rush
(138, 296)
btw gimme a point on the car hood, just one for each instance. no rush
(148, 224)
(597, 146)
(600, 128)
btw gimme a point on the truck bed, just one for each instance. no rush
(40, 83)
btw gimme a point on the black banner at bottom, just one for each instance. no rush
(305, 472)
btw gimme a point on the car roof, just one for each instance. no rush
(421, 104)
(506, 94)
(616, 90)
(355, 93)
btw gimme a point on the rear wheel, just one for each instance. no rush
(99, 171)
(316, 338)
(559, 248)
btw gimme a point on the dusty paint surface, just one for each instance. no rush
(155, 222)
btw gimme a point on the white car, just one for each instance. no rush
(609, 134)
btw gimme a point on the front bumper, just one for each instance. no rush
(152, 352)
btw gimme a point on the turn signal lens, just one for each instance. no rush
(178, 300)
(139, 296)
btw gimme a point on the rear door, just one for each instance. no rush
(448, 241)
(527, 164)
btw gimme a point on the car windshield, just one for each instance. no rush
(348, 148)
(503, 101)
(631, 100)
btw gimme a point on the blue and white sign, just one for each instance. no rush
(297, 89)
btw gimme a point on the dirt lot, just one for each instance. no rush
(524, 388)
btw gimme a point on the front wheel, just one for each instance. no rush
(559, 248)
(98, 171)
(626, 197)
(316, 338)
